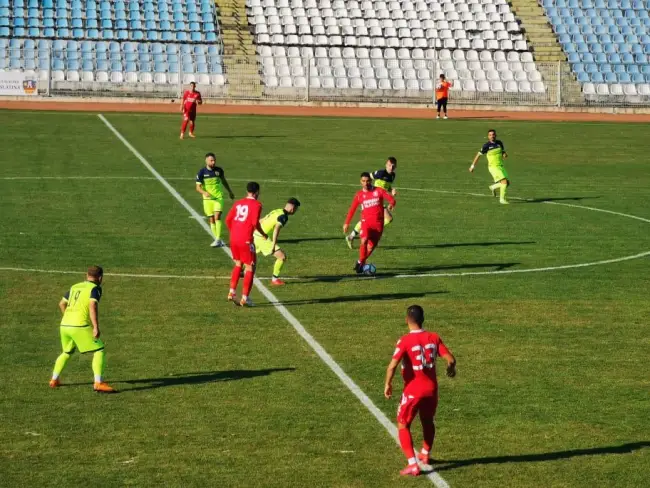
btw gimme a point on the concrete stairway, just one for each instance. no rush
(240, 60)
(547, 52)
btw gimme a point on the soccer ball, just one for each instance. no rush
(369, 269)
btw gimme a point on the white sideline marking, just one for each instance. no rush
(122, 275)
(435, 478)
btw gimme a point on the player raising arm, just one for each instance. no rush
(417, 351)
(496, 153)
(80, 327)
(272, 224)
(382, 178)
(242, 220)
(191, 98)
(371, 199)
(209, 183)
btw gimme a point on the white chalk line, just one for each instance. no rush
(435, 478)
(425, 190)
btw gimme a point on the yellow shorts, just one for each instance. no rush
(498, 173)
(80, 338)
(264, 246)
(212, 206)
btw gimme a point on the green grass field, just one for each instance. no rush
(554, 378)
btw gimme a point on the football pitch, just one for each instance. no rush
(544, 303)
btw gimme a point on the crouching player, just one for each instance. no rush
(371, 199)
(272, 224)
(382, 178)
(417, 351)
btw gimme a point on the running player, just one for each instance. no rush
(242, 220)
(442, 95)
(209, 181)
(272, 224)
(80, 309)
(371, 199)
(496, 153)
(417, 351)
(382, 178)
(191, 98)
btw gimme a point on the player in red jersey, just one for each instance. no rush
(371, 199)
(191, 98)
(417, 351)
(242, 220)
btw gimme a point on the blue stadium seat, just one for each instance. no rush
(152, 35)
(131, 68)
(623, 77)
(58, 65)
(107, 34)
(165, 25)
(160, 67)
(137, 35)
(611, 78)
(163, 16)
(121, 24)
(122, 35)
(167, 36)
(102, 65)
(19, 22)
(92, 24)
(211, 37)
(87, 65)
(145, 67)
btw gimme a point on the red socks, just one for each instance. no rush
(406, 441)
(363, 252)
(184, 126)
(191, 127)
(248, 283)
(234, 277)
(429, 432)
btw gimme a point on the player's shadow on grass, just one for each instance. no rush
(355, 298)
(461, 244)
(198, 378)
(552, 199)
(298, 240)
(446, 267)
(244, 137)
(449, 464)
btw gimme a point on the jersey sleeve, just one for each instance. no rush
(400, 350)
(388, 196)
(442, 349)
(219, 171)
(200, 98)
(485, 148)
(185, 95)
(230, 216)
(353, 209)
(375, 175)
(283, 219)
(199, 177)
(503, 149)
(96, 294)
(66, 297)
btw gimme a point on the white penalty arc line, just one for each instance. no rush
(435, 478)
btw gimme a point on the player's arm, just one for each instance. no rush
(63, 304)
(276, 234)
(351, 212)
(224, 181)
(199, 188)
(229, 217)
(503, 152)
(449, 357)
(258, 224)
(476, 158)
(183, 101)
(390, 374)
(391, 199)
(200, 99)
(93, 308)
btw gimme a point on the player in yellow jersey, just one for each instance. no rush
(80, 327)
(383, 178)
(209, 182)
(496, 153)
(272, 224)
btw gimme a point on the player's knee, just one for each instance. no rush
(217, 216)
(282, 256)
(400, 425)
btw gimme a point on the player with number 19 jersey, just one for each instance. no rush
(242, 220)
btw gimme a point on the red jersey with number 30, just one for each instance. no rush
(372, 206)
(190, 99)
(418, 351)
(243, 219)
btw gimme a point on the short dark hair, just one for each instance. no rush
(210, 155)
(192, 83)
(253, 187)
(442, 75)
(492, 130)
(366, 174)
(392, 159)
(415, 314)
(95, 272)
(294, 201)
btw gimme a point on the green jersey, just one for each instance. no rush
(210, 180)
(494, 151)
(383, 179)
(77, 313)
(270, 220)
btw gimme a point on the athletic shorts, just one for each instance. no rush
(372, 233)
(189, 115)
(409, 407)
(498, 172)
(210, 207)
(245, 253)
(264, 246)
(80, 338)
(442, 103)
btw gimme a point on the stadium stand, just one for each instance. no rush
(135, 41)
(607, 43)
(391, 45)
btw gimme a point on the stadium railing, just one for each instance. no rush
(245, 78)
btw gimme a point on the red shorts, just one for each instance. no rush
(245, 253)
(409, 407)
(372, 232)
(189, 114)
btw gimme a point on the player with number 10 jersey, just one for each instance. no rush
(242, 221)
